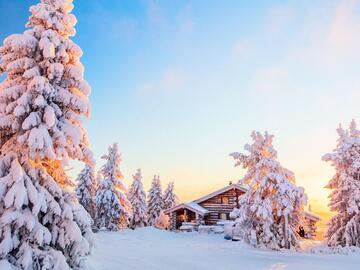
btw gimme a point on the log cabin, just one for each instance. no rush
(216, 207)
(207, 210)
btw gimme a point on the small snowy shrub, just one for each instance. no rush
(162, 222)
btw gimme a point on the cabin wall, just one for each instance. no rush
(178, 217)
(222, 203)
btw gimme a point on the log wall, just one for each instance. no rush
(222, 203)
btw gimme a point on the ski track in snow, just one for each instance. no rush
(152, 249)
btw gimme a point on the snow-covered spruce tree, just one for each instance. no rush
(170, 198)
(344, 227)
(86, 189)
(113, 207)
(155, 201)
(42, 99)
(271, 210)
(137, 198)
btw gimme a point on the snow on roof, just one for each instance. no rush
(224, 189)
(312, 216)
(197, 207)
(192, 206)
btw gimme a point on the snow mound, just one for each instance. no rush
(152, 249)
(335, 250)
(5, 265)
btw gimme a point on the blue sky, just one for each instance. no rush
(181, 84)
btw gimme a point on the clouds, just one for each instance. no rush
(343, 39)
(279, 18)
(269, 81)
(198, 77)
(156, 14)
(241, 50)
(331, 38)
(320, 53)
(170, 81)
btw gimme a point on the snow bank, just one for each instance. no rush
(4, 265)
(152, 249)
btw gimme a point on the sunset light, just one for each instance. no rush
(179, 135)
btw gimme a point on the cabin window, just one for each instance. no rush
(225, 200)
(218, 200)
(224, 216)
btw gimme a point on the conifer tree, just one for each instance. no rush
(113, 207)
(344, 227)
(42, 100)
(86, 190)
(271, 210)
(137, 199)
(155, 201)
(170, 198)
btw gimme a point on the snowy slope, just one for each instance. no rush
(152, 249)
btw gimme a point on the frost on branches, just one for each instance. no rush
(344, 227)
(155, 201)
(170, 199)
(42, 100)
(113, 207)
(137, 199)
(86, 190)
(271, 210)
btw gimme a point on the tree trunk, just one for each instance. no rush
(286, 236)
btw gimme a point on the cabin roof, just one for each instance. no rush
(312, 216)
(192, 206)
(222, 190)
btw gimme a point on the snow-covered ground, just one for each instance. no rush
(152, 249)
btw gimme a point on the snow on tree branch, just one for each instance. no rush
(113, 207)
(137, 198)
(271, 211)
(42, 100)
(155, 201)
(344, 227)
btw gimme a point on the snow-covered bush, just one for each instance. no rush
(155, 201)
(86, 190)
(162, 221)
(113, 207)
(271, 210)
(137, 198)
(344, 227)
(42, 100)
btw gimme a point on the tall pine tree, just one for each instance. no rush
(86, 190)
(271, 210)
(113, 207)
(170, 198)
(42, 100)
(155, 201)
(344, 227)
(137, 199)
